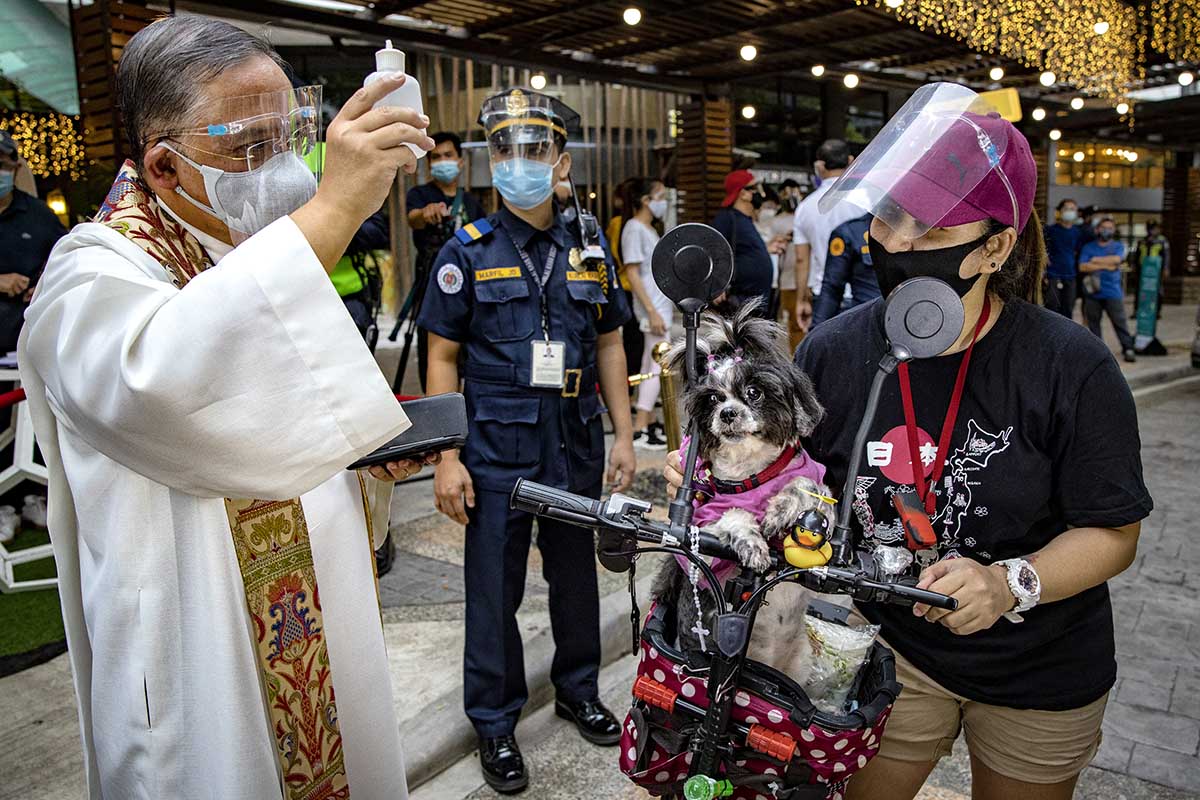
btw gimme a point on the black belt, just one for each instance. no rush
(574, 380)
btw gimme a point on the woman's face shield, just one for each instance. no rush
(924, 162)
(241, 134)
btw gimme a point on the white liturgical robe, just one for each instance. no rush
(151, 404)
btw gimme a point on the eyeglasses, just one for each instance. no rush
(260, 136)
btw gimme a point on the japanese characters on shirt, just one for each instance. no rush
(967, 468)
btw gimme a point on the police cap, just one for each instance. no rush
(517, 116)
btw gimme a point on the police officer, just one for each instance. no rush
(539, 313)
(848, 262)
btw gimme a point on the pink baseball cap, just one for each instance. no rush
(980, 168)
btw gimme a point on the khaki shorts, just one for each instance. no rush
(1022, 744)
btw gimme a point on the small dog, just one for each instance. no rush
(752, 405)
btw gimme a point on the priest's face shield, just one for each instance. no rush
(242, 134)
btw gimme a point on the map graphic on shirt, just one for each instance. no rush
(962, 474)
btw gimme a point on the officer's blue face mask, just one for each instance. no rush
(6, 183)
(444, 171)
(523, 182)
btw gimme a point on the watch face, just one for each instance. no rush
(1027, 579)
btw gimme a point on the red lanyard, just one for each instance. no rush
(910, 421)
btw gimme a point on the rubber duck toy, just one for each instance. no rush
(807, 545)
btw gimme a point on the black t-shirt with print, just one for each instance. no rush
(1046, 439)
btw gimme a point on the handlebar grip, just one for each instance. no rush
(534, 498)
(927, 597)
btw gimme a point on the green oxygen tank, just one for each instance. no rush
(702, 787)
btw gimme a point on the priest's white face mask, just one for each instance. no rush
(247, 202)
(268, 155)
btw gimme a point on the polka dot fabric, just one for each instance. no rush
(831, 757)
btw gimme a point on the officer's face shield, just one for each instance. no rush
(924, 162)
(241, 134)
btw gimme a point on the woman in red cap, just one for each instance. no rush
(1026, 438)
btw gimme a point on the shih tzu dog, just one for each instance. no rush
(753, 480)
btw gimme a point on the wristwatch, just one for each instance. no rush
(1025, 585)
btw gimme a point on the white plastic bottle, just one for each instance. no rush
(387, 61)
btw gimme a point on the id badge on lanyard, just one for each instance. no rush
(547, 359)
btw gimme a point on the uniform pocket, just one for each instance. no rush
(507, 429)
(503, 310)
(586, 296)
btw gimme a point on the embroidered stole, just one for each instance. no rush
(273, 552)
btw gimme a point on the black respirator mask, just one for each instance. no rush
(892, 269)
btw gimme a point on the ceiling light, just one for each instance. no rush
(1055, 135)
(818, 70)
(1108, 151)
(1078, 155)
(591, 195)
(538, 81)
(1132, 155)
(1062, 151)
(748, 112)
(330, 5)
(1100, 27)
(893, 3)
(1076, 103)
(851, 80)
(996, 73)
(1047, 78)
(749, 52)
(1122, 108)
(1038, 114)
(1186, 78)
(632, 15)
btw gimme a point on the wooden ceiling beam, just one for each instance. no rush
(821, 10)
(505, 23)
(333, 24)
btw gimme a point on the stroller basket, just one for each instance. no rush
(781, 745)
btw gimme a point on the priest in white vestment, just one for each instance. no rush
(197, 404)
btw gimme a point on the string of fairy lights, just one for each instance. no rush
(1099, 47)
(52, 144)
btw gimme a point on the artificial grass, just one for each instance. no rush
(31, 623)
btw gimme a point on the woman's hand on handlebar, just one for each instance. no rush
(673, 471)
(453, 490)
(982, 593)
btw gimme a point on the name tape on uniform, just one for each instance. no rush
(497, 273)
(583, 276)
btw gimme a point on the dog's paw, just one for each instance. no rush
(752, 551)
(792, 501)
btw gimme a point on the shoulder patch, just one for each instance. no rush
(450, 279)
(474, 231)
(836, 246)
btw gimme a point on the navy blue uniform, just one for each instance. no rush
(481, 295)
(752, 269)
(848, 262)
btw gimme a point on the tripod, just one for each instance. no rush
(408, 314)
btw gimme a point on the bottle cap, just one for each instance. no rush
(389, 59)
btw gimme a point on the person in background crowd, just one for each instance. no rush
(782, 226)
(812, 229)
(1063, 241)
(752, 269)
(435, 211)
(1100, 263)
(540, 332)
(1155, 244)
(764, 222)
(848, 264)
(647, 202)
(28, 232)
(631, 332)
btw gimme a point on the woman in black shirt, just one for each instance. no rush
(1034, 488)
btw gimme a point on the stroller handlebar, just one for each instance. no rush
(620, 523)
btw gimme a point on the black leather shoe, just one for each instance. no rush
(502, 765)
(595, 722)
(385, 556)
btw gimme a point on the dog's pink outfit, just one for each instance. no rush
(713, 498)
